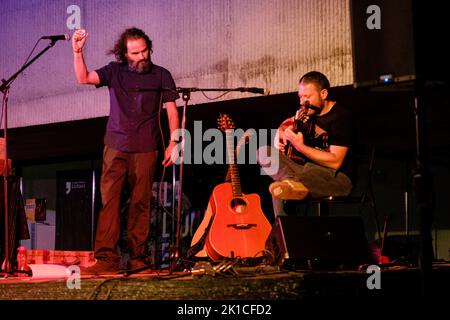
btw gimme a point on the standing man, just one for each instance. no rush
(137, 89)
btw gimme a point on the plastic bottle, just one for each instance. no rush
(23, 269)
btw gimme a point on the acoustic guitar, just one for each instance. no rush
(239, 227)
(234, 224)
(313, 135)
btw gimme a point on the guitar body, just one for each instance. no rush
(313, 136)
(239, 228)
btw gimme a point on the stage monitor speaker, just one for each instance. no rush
(404, 249)
(334, 243)
(397, 42)
(77, 206)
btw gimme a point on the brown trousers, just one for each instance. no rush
(139, 169)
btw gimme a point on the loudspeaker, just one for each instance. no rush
(318, 242)
(400, 248)
(77, 205)
(397, 41)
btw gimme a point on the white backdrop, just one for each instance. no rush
(204, 43)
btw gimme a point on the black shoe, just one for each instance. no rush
(102, 266)
(138, 264)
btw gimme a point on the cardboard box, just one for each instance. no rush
(36, 209)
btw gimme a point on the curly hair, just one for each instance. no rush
(120, 47)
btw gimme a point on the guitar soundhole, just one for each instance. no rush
(238, 205)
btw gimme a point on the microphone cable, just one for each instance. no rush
(215, 98)
(163, 174)
(26, 60)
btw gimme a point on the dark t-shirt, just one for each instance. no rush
(133, 124)
(339, 125)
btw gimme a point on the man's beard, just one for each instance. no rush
(141, 66)
(314, 108)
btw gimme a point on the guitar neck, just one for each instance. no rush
(234, 171)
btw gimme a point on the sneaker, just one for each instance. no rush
(288, 190)
(102, 266)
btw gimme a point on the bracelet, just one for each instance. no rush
(174, 140)
(78, 51)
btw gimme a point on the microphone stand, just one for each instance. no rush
(186, 94)
(240, 89)
(4, 88)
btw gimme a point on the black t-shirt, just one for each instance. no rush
(134, 99)
(339, 125)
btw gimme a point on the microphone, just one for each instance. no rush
(57, 37)
(310, 106)
(263, 91)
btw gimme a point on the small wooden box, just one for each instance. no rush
(67, 258)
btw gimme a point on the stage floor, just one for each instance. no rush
(250, 283)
